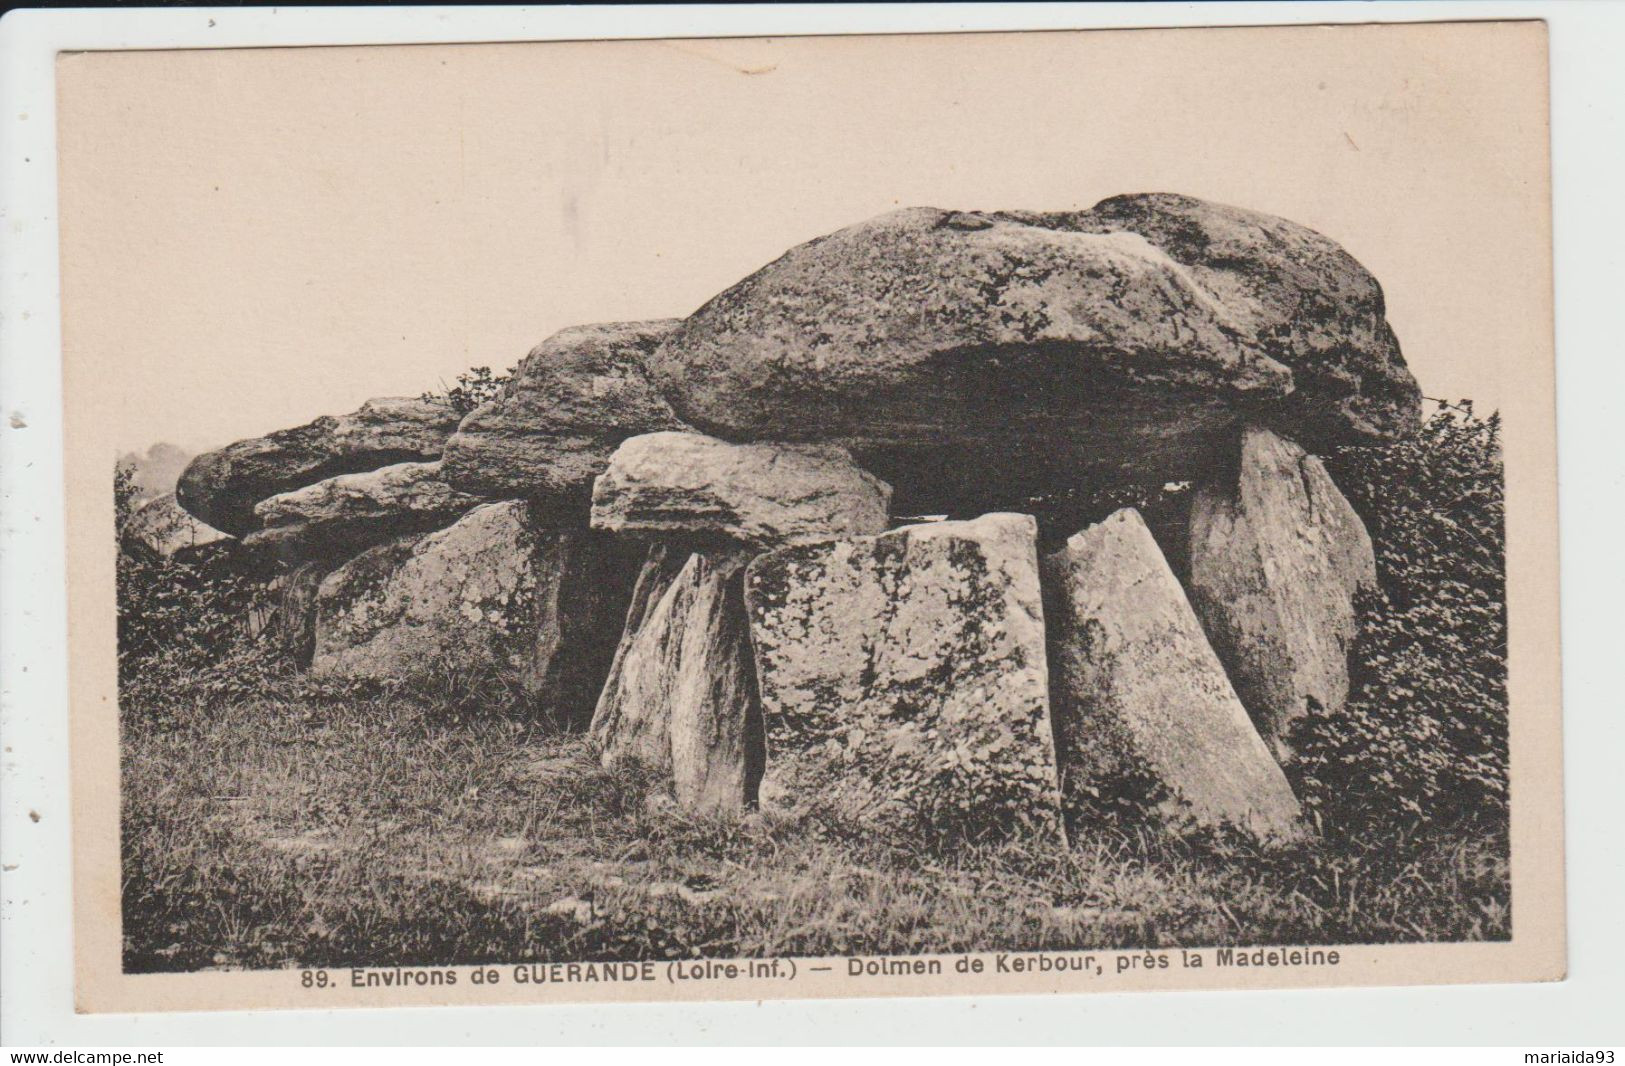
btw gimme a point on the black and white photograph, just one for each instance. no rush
(812, 516)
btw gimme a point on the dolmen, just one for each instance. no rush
(834, 543)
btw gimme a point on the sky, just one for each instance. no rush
(252, 238)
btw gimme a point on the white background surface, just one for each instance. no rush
(1588, 127)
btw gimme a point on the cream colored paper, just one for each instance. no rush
(255, 237)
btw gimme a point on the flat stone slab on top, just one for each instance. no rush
(221, 487)
(691, 487)
(973, 359)
(342, 516)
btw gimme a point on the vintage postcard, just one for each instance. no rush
(1054, 512)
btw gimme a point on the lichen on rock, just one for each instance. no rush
(1276, 557)
(493, 592)
(682, 696)
(1141, 697)
(575, 397)
(904, 678)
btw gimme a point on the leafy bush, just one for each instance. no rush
(1423, 739)
(189, 619)
(476, 387)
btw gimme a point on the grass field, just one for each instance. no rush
(312, 827)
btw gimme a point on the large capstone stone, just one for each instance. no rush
(699, 489)
(972, 359)
(904, 680)
(347, 514)
(574, 398)
(1276, 557)
(1143, 710)
(495, 592)
(222, 487)
(682, 696)
(1297, 294)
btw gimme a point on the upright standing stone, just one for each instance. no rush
(293, 621)
(684, 692)
(493, 592)
(1276, 556)
(609, 732)
(1138, 690)
(905, 675)
(681, 694)
(359, 607)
